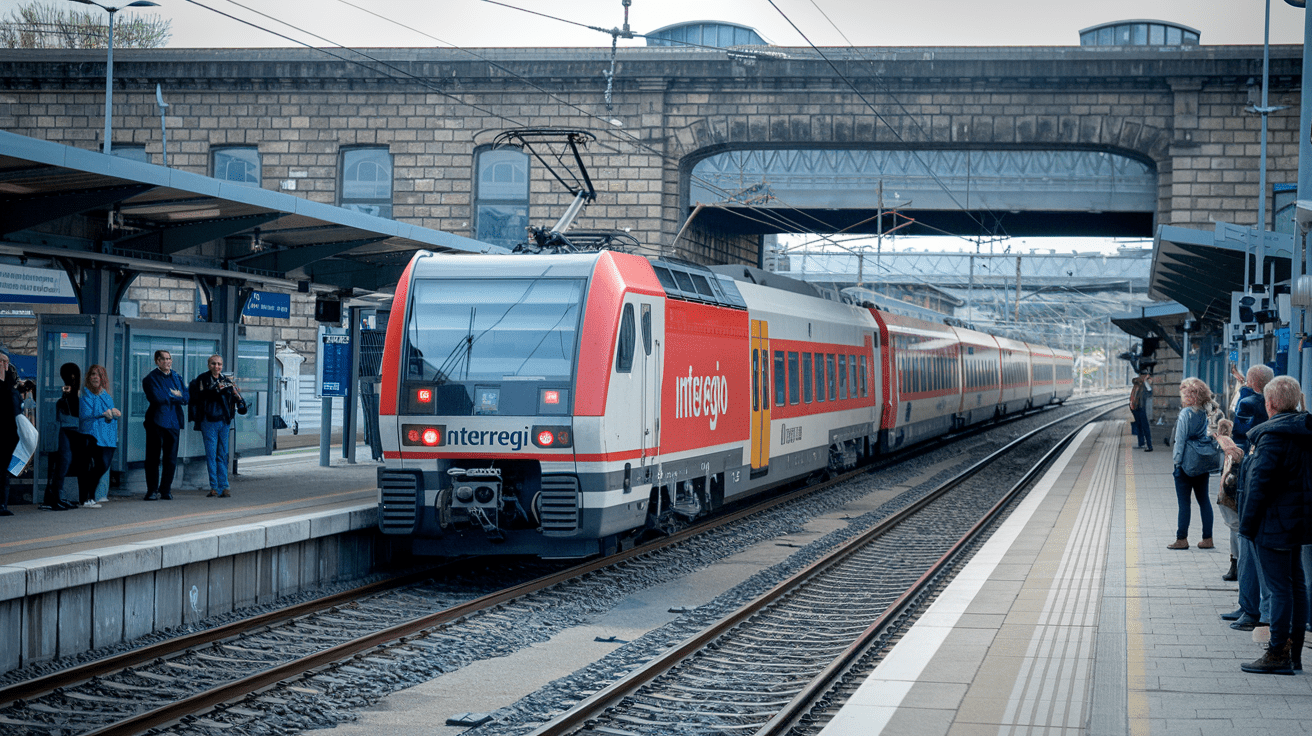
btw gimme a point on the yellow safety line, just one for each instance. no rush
(1136, 670)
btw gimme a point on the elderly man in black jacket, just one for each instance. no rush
(1276, 513)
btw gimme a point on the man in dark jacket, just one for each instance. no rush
(1251, 409)
(166, 394)
(215, 400)
(1275, 512)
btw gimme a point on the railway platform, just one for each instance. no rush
(1074, 618)
(87, 578)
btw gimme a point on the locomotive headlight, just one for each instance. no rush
(484, 494)
(465, 494)
(423, 435)
(553, 436)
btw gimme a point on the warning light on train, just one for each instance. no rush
(424, 395)
(432, 437)
(551, 397)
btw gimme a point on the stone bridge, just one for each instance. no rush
(1176, 116)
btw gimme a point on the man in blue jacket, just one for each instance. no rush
(166, 394)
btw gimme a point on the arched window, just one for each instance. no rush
(239, 165)
(367, 181)
(500, 195)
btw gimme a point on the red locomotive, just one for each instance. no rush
(564, 405)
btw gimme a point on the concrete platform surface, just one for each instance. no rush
(286, 483)
(1076, 619)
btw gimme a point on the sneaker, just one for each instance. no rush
(1148, 449)
(225, 494)
(66, 505)
(166, 496)
(151, 497)
(212, 494)
(6, 512)
(90, 505)
(1179, 544)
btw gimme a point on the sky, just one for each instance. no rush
(479, 23)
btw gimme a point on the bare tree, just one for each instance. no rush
(38, 25)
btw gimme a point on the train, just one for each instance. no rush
(568, 405)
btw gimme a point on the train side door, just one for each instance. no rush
(760, 429)
(651, 324)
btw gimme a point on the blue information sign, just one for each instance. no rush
(336, 365)
(268, 304)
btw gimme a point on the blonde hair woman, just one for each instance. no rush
(1197, 419)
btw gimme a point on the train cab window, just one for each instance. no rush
(646, 329)
(700, 283)
(756, 381)
(685, 282)
(833, 384)
(863, 377)
(779, 378)
(842, 376)
(806, 378)
(628, 339)
(819, 376)
(792, 378)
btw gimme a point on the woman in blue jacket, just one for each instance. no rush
(98, 420)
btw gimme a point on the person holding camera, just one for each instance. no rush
(215, 400)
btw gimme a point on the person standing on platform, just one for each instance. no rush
(1251, 409)
(1276, 514)
(98, 420)
(1198, 413)
(1139, 411)
(11, 405)
(166, 394)
(215, 400)
(72, 443)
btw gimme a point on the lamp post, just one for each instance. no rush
(109, 64)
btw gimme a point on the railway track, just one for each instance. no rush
(760, 669)
(170, 683)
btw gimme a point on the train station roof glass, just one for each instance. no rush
(718, 34)
(1139, 33)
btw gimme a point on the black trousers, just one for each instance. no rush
(72, 445)
(161, 450)
(97, 465)
(7, 447)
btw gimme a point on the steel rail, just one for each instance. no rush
(173, 712)
(72, 676)
(617, 691)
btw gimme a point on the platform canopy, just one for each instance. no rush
(72, 204)
(1200, 268)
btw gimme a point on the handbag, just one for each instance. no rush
(1202, 456)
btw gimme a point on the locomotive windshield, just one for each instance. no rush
(464, 330)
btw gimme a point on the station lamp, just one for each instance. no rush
(109, 63)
